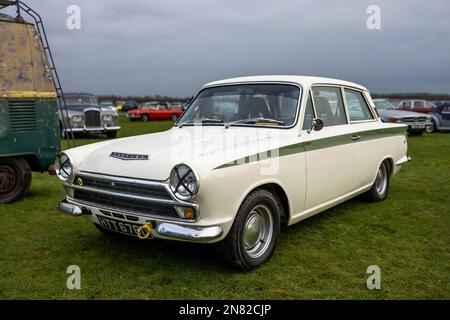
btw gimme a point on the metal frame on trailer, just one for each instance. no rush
(20, 6)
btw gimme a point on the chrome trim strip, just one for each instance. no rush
(124, 211)
(174, 202)
(131, 196)
(93, 129)
(186, 233)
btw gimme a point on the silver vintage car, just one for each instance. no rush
(417, 122)
(86, 115)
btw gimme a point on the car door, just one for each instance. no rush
(445, 116)
(363, 121)
(330, 152)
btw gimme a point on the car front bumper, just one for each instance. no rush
(163, 229)
(94, 129)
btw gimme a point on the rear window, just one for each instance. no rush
(357, 106)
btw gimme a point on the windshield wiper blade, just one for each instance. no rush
(203, 120)
(253, 121)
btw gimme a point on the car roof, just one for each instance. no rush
(301, 80)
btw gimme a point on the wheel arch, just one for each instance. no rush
(276, 189)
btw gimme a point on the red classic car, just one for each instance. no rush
(155, 111)
(422, 106)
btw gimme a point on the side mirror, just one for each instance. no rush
(316, 125)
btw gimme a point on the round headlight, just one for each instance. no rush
(107, 117)
(76, 118)
(183, 182)
(63, 167)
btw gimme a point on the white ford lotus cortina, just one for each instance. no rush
(248, 155)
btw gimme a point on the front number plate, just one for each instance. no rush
(118, 226)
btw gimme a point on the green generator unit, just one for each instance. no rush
(30, 135)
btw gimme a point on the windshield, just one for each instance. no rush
(81, 100)
(247, 104)
(149, 105)
(384, 105)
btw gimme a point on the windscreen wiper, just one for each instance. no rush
(253, 121)
(202, 121)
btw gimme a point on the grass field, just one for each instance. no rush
(324, 257)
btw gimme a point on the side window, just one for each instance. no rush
(358, 109)
(309, 114)
(407, 104)
(329, 105)
(419, 104)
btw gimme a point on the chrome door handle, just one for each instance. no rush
(356, 137)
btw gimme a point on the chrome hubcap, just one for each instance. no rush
(381, 181)
(258, 230)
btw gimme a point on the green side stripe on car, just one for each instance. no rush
(316, 145)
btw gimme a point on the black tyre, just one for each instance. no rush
(15, 179)
(430, 128)
(111, 134)
(145, 118)
(174, 117)
(380, 188)
(254, 234)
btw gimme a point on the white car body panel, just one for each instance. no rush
(313, 175)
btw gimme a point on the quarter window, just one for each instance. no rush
(357, 106)
(329, 105)
(309, 114)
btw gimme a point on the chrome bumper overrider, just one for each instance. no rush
(403, 160)
(163, 229)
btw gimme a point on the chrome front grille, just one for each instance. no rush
(126, 195)
(128, 187)
(123, 203)
(92, 118)
(415, 119)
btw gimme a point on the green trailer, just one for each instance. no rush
(30, 135)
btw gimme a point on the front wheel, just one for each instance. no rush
(430, 128)
(380, 187)
(174, 117)
(145, 118)
(15, 179)
(254, 234)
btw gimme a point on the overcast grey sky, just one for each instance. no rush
(172, 47)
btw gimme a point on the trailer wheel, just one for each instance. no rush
(15, 179)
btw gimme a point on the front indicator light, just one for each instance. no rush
(186, 213)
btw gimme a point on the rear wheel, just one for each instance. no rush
(254, 234)
(145, 118)
(15, 179)
(380, 187)
(174, 117)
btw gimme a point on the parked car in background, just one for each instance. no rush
(129, 105)
(416, 122)
(86, 115)
(288, 151)
(440, 118)
(155, 111)
(441, 102)
(422, 106)
(119, 105)
(107, 104)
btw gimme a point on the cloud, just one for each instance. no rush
(173, 47)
